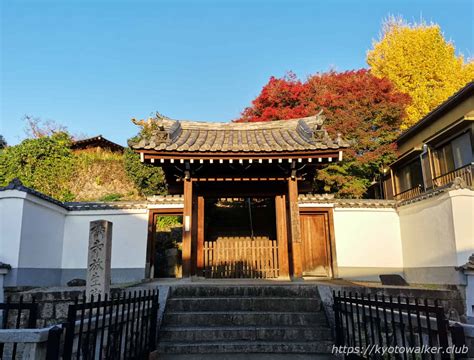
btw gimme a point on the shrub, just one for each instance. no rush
(45, 164)
(149, 179)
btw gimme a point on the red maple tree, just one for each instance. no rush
(366, 110)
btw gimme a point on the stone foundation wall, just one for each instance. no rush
(52, 304)
(451, 298)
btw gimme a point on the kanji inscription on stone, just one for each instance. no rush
(99, 258)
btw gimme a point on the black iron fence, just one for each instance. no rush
(20, 315)
(120, 327)
(394, 328)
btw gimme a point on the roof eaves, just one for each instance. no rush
(438, 111)
(98, 137)
(16, 184)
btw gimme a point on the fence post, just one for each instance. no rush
(70, 326)
(442, 327)
(153, 323)
(54, 343)
(458, 339)
(33, 315)
(337, 314)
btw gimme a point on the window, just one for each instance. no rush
(453, 155)
(462, 150)
(409, 176)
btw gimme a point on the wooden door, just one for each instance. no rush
(316, 243)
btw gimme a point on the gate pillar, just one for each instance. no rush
(294, 226)
(187, 227)
(282, 236)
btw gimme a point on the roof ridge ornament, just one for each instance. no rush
(157, 128)
(469, 266)
(320, 118)
(158, 120)
(162, 134)
(314, 131)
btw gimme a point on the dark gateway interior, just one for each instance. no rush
(240, 240)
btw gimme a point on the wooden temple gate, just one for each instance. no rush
(234, 257)
(276, 161)
(237, 254)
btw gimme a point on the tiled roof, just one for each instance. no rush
(16, 184)
(304, 134)
(119, 205)
(469, 266)
(165, 199)
(454, 99)
(96, 140)
(346, 203)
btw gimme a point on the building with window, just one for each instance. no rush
(436, 150)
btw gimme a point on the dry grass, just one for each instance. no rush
(101, 176)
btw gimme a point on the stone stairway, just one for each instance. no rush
(280, 319)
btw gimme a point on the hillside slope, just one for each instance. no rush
(101, 176)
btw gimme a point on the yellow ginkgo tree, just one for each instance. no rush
(421, 63)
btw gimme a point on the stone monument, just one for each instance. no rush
(98, 259)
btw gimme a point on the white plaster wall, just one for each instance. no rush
(431, 236)
(367, 238)
(463, 218)
(129, 237)
(42, 231)
(429, 230)
(11, 214)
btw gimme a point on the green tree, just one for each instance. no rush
(44, 163)
(149, 179)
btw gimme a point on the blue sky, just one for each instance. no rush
(93, 65)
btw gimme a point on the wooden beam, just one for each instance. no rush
(282, 236)
(169, 211)
(332, 242)
(392, 179)
(187, 227)
(242, 189)
(295, 230)
(208, 179)
(432, 167)
(200, 236)
(238, 156)
(194, 233)
(150, 247)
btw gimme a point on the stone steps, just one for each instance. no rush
(240, 333)
(245, 290)
(247, 356)
(244, 319)
(239, 318)
(235, 303)
(314, 347)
